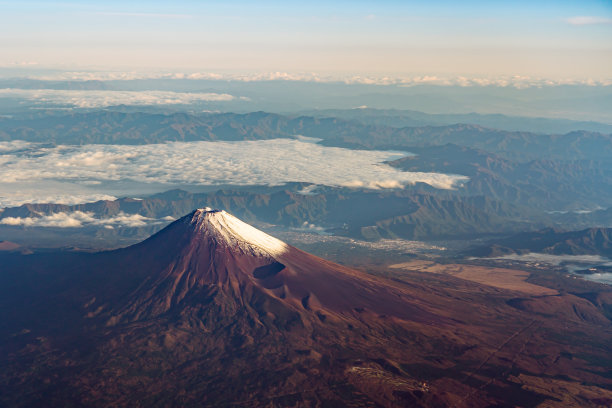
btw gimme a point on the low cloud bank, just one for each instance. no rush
(267, 162)
(516, 81)
(98, 99)
(32, 173)
(555, 259)
(79, 219)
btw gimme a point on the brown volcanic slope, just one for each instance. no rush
(212, 312)
(245, 266)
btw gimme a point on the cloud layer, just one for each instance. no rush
(516, 81)
(97, 99)
(79, 219)
(266, 162)
(45, 192)
(588, 20)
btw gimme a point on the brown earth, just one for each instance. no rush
(191, 317)
(503, 278)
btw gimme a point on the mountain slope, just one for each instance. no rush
(208, 297)
(213, 312)
(241, 262)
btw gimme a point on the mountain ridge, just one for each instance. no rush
(400, 214)
(113, 127)
(590, 241)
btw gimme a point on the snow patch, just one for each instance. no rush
(237, 234)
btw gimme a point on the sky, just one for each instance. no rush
(548, 39)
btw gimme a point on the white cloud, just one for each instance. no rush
(128, 220)
(515, 81)
(147, 15)
(14, 145)
(96, 99)
(309, 227)
(48, 191)
(555, 259)
(61, 220)
(78, 219)
(270, 162)
(220, 163)
(518, 81)
(588, 20)
(18, 64)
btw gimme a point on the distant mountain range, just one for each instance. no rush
(410, 118)
(564, 172)
(112, 127)
(518, 104)
(361, 214)
(538, 183)
(592, 241)
(519, 181)
(418, 213)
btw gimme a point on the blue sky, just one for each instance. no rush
(571, 39)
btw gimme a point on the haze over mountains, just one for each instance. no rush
(409, 118)
(592, 241)
(408, 215)
(505, 182)
(516, 97)
(142, 128)
(103, 275)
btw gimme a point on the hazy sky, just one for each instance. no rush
(553, 39)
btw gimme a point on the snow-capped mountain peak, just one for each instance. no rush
(236, 234)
